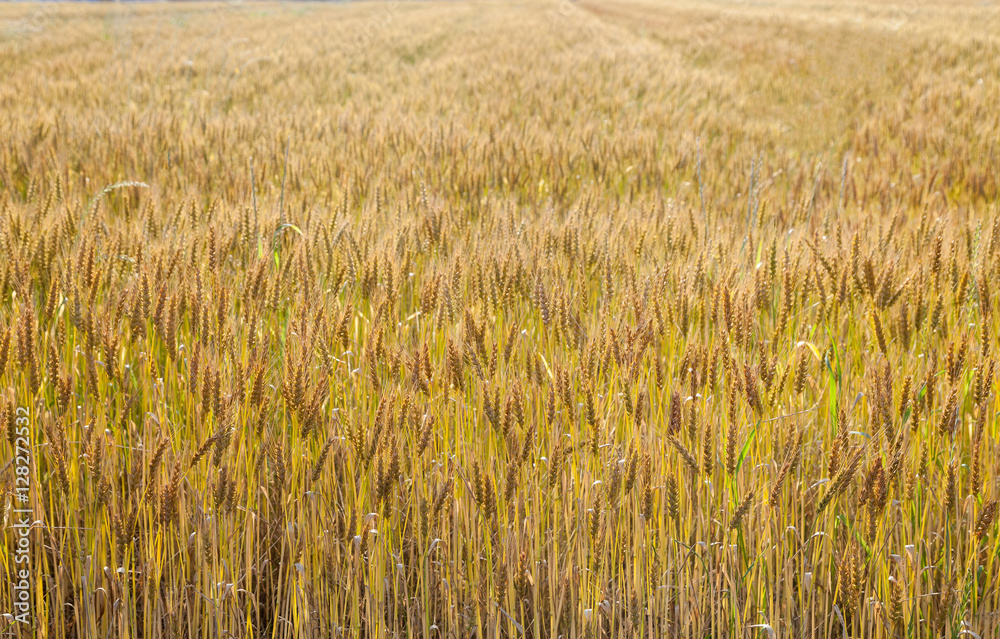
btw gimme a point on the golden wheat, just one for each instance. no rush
(606, 318)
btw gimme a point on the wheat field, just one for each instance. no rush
(610, 318)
